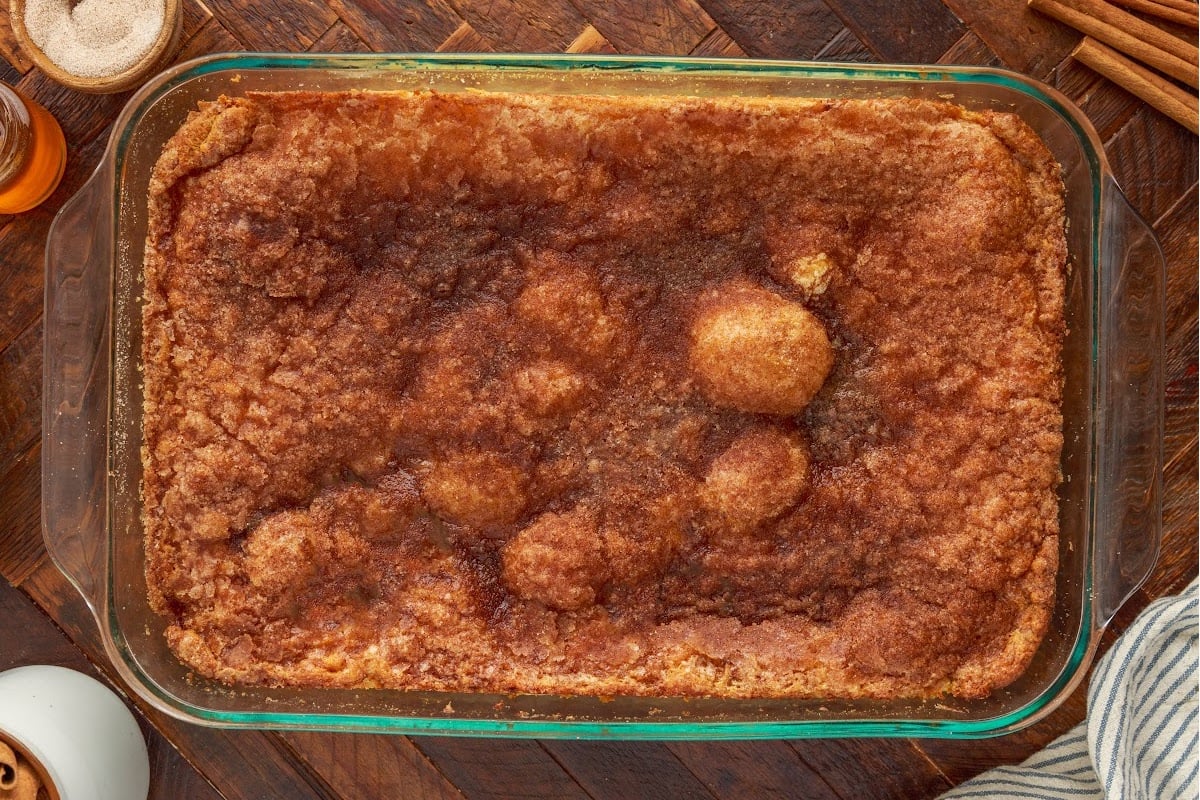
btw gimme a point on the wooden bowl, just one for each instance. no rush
(155, 59)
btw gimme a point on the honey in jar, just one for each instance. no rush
(33, 152)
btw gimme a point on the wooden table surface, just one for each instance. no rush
(42, 620)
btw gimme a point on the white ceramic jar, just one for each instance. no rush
(85, 740)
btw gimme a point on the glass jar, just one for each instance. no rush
(33, 152)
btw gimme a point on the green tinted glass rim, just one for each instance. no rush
(1017, 719)
(594, 730)
(610, 731)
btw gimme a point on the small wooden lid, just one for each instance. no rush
(155, 59)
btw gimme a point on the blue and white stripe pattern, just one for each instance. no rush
(1139, 741)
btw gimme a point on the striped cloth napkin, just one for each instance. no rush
(1139, 741)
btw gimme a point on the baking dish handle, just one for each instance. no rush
(75, 384)
(1130, 404)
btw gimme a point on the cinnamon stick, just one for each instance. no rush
(1189, 17)
(8, 767)
(18, 778)
(1154, 89)
(1159, 50)
(1181, 5)
(1140, 28)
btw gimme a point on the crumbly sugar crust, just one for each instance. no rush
(652, 396)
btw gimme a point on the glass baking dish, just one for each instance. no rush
(1110, 498)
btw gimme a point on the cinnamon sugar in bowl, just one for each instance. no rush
(98, 46)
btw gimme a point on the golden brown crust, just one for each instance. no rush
(439, 394)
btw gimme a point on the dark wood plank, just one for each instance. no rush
(796, 29)
(21, 279)
(508, 26)
(1177, 232)
(1177, 561)
(210, 38)
(1106, 105)
(1024, 40)
(10, 51)
(9, 75)
(718, 45)
(590, 40)
(668, 27)
(31, 638)
(500, 769)
(846, 46)
(971, 51)
(386, 26)
(274, 25)
(620, 770)
(339, 39)
(195, 15)
(917, 31)
(736, 770)
(1154, 161)
(20, 395)
(364, 765)
(21, 549)
(852, 767)
(171, 777)
(465, 39)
